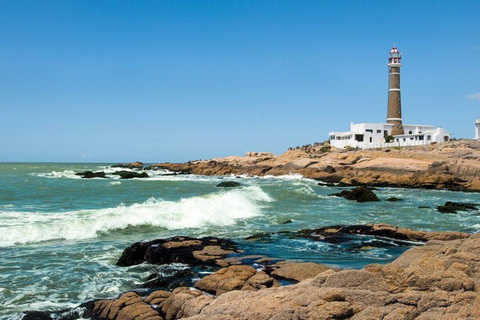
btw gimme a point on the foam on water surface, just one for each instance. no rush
(222, 208)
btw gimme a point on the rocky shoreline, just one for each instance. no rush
(440, 280)
(454, 165)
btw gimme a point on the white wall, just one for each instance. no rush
(374, 136)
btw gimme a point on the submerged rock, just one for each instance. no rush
(393, 199)
(228, 184)
(359, 194)
(192, 251)
(453, 207)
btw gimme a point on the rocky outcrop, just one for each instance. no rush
(453, 207)
(440, 280)
(90, 174)
(235, 278)
(337, 233)
(454, 165)
(192, 251)
(295, 271)
(132, 165)
(130, 174)
(359, 194)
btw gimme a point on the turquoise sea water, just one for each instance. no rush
(60, 236)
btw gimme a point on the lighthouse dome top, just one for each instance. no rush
(395, 56)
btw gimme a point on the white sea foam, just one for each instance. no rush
(219, 209)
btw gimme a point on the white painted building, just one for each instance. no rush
(374, 135)
(477, 129)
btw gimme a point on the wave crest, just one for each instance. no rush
(217, 209)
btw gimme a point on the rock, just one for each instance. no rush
(37, 315)
(130, 174)
(296, 271)
(359, 194)
(90, 174)
(287, 221)
(394, 199)
(453, 207)
(129, 306)
(228, 184)
(235, 278)
(132, 165)
(334, 234)
(192, 251)
(182, 278)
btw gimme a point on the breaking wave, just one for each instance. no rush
(217, 209)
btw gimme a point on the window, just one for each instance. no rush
(410, 132)
(429, 137)
(370, 139)
(385, 132)
(421, 138)
(332, 137)
(411, 138)
(404, 139)
(379, 131)
(369, 130)
(359, 137)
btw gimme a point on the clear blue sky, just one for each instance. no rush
(114, 81)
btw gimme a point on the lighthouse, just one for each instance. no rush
(394, 114)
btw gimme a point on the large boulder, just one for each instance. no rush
(235, 278)
(192, 251)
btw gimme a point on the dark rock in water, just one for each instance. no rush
(192, 251)
(446, 209)
(90, 174)
(287, 221)
(37, 315)
(228, 184)
(394, 199)
(359, 194)
(182, 278)
(331, 179)
(453, 207)
(132, 165)
(130, 174)
(337, 233)
(424, 207)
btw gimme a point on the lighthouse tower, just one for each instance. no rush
(394, 115)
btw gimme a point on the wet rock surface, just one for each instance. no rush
(359, 194)
(440, 280)
(130, 174)
(91, 174)
(454, 207)
(340, 233)
(192, 251)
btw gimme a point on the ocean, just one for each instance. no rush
(60, 235)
